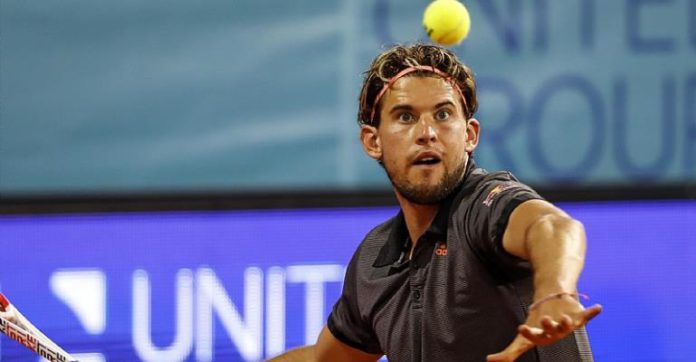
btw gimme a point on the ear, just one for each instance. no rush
(369, 137)
(473, 131)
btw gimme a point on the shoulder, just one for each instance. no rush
(481, 187)
(483, 206)
(482, 178)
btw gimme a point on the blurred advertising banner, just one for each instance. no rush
(247, 285)
(238, 95)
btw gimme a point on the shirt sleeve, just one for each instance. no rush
(345, 322)
(488, 215)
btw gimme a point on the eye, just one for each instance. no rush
(442, 115)
(406, 117)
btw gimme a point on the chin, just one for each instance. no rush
(429, 185)
(431, 173)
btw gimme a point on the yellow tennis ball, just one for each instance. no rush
(447, 22)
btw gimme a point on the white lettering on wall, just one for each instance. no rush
(194, 324)
(275, 311)
(245, 332)
(314, 276)
(183, 340)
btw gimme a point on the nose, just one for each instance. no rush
(426, 131)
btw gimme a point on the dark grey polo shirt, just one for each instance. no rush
(461, 296)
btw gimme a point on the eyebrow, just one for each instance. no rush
(445, 103)
(407, 107)
(400, 107)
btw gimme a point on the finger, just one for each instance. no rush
(555, 329)
(534, 335)
(566, 324)
(530, 332)
(515, 349)
(550, 326)
(591, 312)
(499, 357)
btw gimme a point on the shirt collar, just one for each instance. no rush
(398, 240)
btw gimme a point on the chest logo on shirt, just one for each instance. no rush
(496, 191)
(441, 249)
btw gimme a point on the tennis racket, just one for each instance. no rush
(15, 326)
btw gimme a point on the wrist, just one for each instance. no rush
(575, 296)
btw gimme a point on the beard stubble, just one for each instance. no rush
(428, 195)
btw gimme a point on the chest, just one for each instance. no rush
(441, 303)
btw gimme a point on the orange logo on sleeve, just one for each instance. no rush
(441, 249)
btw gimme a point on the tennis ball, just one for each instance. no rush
(447, 22)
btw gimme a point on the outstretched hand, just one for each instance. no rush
(547, 323)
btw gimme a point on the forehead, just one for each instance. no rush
(417, 90)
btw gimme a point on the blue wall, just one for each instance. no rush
(243, 285)
(235, 95)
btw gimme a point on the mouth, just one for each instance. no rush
(427, 159)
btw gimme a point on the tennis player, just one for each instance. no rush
(476, 266)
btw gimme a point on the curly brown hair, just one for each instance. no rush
(392, 61)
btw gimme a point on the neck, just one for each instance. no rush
(418, 218)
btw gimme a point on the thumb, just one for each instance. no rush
(515, 349)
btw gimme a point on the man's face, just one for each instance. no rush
(423, 138)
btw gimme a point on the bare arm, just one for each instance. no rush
(552, 241)
(555, 245)
(327, 349)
